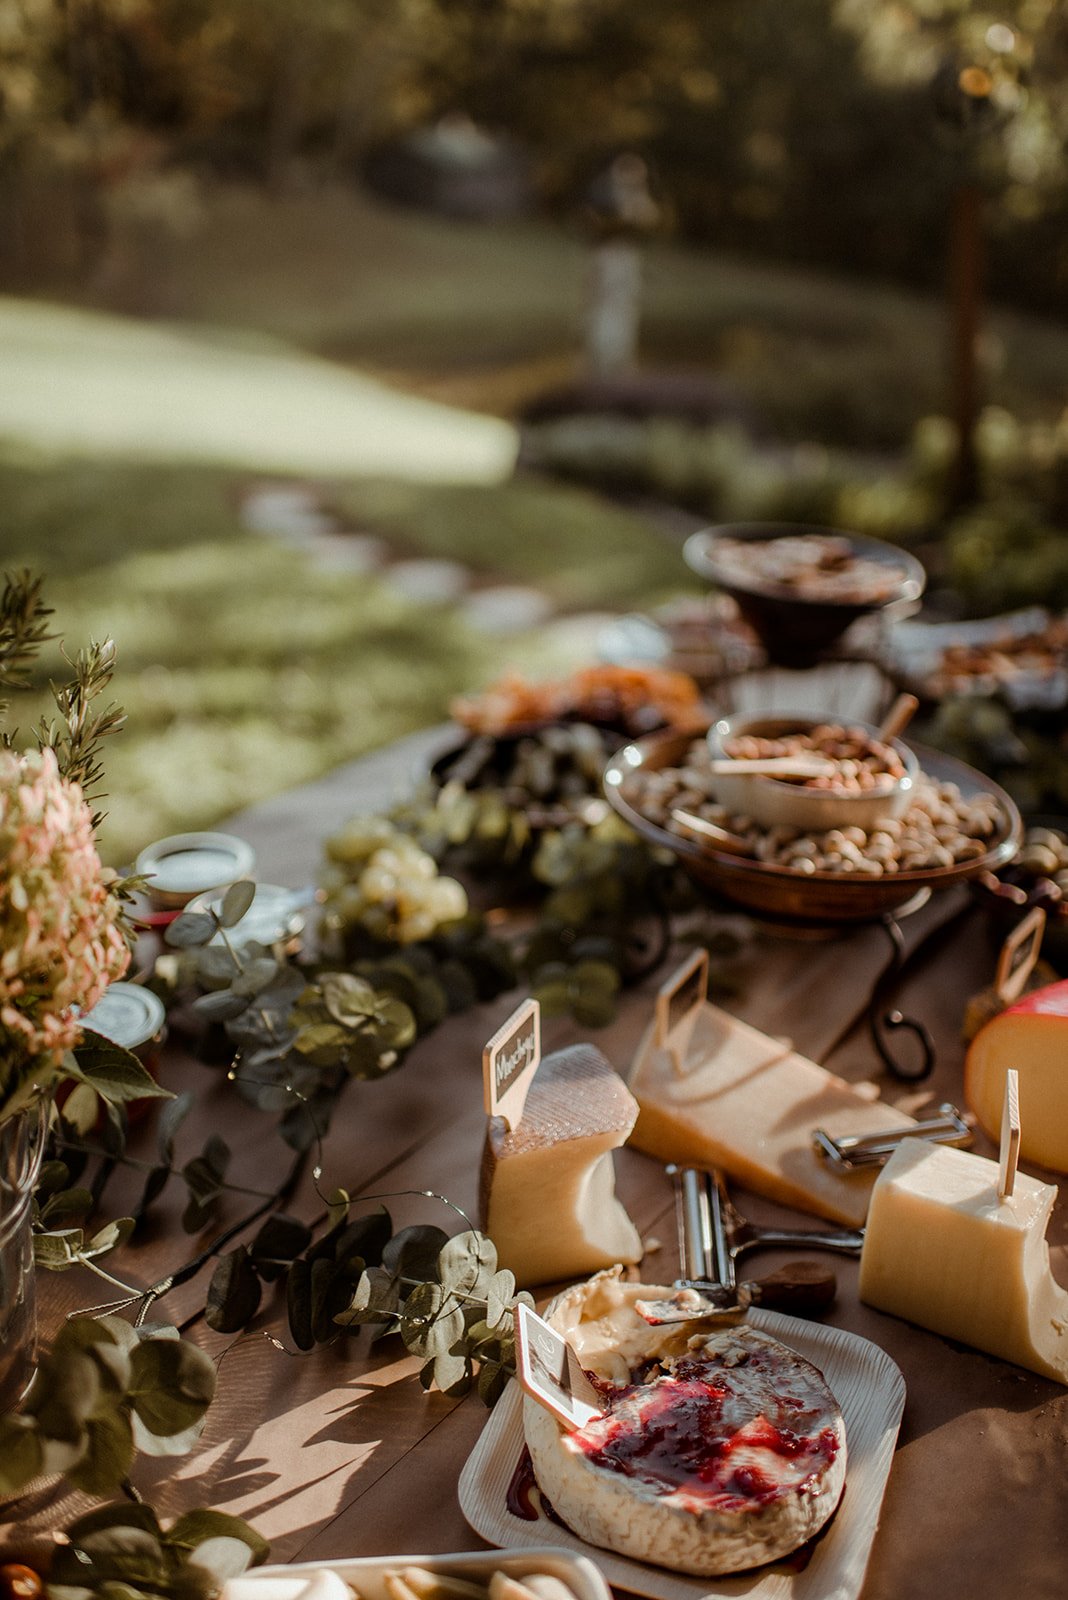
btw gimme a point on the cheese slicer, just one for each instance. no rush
(713, 1236)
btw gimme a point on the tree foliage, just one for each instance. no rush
(826, 129)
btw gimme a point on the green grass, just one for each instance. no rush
(577, 547)
(243, 669)
(86, 381)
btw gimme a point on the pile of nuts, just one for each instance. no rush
(940, 829)
(863, 765)
(1036, 876)
(814, 566)
(1044, 854)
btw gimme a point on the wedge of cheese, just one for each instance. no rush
(548, 1187)
(943, 1250)
(749, 1104)
(1032, 1037)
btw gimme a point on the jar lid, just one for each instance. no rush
(188, 864)
(274, 915)
(126, 1014)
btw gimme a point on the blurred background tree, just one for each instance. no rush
(811, 132)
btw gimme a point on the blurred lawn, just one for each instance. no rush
(486, 314)
(244, 670)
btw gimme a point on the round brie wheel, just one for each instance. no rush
(716, 1452)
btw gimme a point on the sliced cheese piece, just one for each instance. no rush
(942, 1250)
(548, 1187)
(1031, 1036)
(749, 1104)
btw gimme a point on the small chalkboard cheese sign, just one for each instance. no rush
(550, 1371)
(510, 1061)
(678, 1003)
(1018, 956)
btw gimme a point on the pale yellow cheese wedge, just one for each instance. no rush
(548, 1187)
(1032, 1037)
(942, 1250)
(747, 1103)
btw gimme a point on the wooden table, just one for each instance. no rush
(340, 1453)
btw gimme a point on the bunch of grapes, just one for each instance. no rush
(380, 879)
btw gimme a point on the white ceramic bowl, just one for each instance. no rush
(773, 803)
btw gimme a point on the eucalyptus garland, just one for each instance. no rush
(399, 948)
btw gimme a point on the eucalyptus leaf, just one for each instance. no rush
(236, 902)
(98, 1337)
(327, 1297)
(414, 1251)
(204, 1173)
(298, 1305)
(121, 1514)
(193, 1530)
(221, 1005)
(217, 966)
(376, 1299)
(108, 1238)
(255, 977)
(171, 1117)
(348, 999)
(499, 1295)
(364, 1239)
(279, 1240)
(54, 1176)
(81, 1108)
(115, 1073)
(466, 1262)
(322, 1042)
(363, 1056)
(233, 1294)
(66, 1205)
(65, 1391)
(431, 1322)
(174, 1444)
(155, 1183)
(124, 1554)
(452, 1374)
(396, 1025)
(21, 1453)
(172, 1383)
(58, 1252)
(192, 928)
(223, 1557)
(108, 1454)
(493, 1378)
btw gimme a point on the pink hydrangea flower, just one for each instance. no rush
(60, 938)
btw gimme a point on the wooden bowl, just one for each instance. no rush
(818, 897)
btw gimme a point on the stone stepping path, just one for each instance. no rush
(294, 514)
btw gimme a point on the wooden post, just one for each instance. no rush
(965, 278)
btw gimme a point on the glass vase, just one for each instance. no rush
(22, 1141)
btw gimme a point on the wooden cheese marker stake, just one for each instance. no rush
(550, 1371)
(898, 717)
(1018, 956)
(1010, 1135)
(509, 1063)
(678, 1005)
